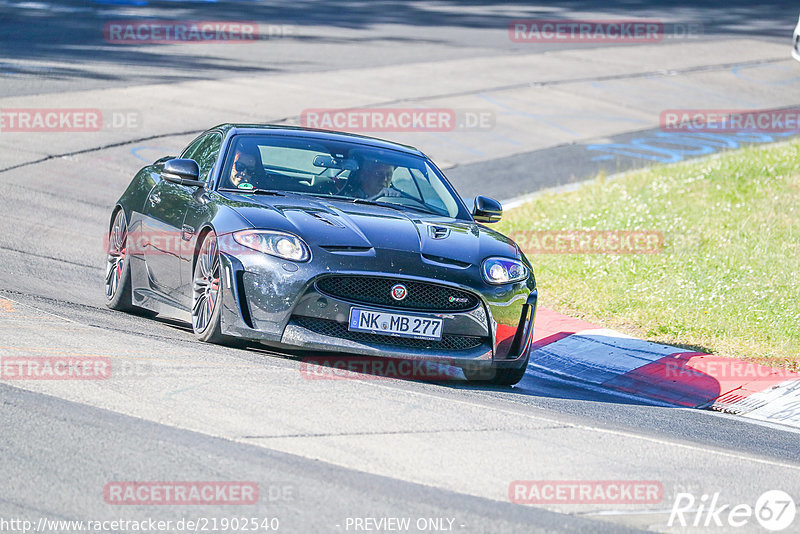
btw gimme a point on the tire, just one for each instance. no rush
(500, 377)
(118, 269)
(207, 285)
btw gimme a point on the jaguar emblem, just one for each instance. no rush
(399, 292)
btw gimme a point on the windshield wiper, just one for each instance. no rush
(255, 191)
(352, 200)
(376, 203)
(367, 202)
(424, 210)
(401, 207)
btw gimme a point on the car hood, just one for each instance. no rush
(346, 227)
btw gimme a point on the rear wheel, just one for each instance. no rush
(206, 292)
(118, 269)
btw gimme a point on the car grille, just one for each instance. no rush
(422, 296)
(449, 342)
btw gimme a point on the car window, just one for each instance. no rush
(204, 151)
(340, 170)
(402, 180)
(186, 154)
(299, 161)
(433, 193)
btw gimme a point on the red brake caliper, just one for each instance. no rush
(210, 300)
(119, 263)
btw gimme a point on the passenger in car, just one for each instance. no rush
(371, 180)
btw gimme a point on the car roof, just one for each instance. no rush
(312, 133)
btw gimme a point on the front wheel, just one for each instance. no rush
(207, 294)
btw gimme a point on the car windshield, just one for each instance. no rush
(339, 171)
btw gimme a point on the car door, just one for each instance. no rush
(163, 216)
(198, 211)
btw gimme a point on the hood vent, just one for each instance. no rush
(326, 218)
(450, 262)
(345, 249)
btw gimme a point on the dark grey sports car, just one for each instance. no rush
(324, 241)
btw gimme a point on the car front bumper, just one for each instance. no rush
(278, 303)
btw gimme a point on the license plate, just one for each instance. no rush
(395, 324)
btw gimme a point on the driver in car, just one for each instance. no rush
(243, 170)
(370, 181)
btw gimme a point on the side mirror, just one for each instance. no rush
(486, 210)
(183, 172)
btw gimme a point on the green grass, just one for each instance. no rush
(728, 278)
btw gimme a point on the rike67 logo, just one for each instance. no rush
(774, 510)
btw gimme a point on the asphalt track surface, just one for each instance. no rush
(322, 452)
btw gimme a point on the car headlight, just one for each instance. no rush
(504, 270)
(278, 244)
